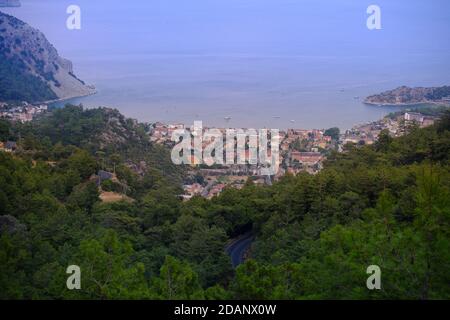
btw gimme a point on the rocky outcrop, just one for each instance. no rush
(406, 95)
(26, 51)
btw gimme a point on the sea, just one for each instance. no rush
(247, 63)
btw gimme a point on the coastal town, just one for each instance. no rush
(300, 151)
(22, 112)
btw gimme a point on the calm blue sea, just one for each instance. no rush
(264, 63)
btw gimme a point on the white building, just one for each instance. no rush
(414, 116)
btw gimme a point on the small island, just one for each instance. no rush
(410, 96)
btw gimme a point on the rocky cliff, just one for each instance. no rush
(406, 95)
(30, 67)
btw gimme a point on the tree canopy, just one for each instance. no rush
(315, 235)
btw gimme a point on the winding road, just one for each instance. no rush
(237, 249)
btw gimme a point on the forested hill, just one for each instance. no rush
(386, 205)
(106, 135)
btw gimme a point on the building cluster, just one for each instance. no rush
(396, 125)
(418, 118)
(312, 139)
(22, 113)
(300, 150)
(310, 162)
(191, 190)
(162, 133)
(304, 150)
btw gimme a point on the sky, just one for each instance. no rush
(244, 27)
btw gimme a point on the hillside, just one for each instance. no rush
(31, 69)
(104, 133)
(315, 235)
(406, 95)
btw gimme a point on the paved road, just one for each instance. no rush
(237, 249)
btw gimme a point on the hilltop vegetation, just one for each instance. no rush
(386, 205)
(105, 134)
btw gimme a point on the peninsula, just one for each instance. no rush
(409, 96)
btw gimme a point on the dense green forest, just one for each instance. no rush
(315, 235)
